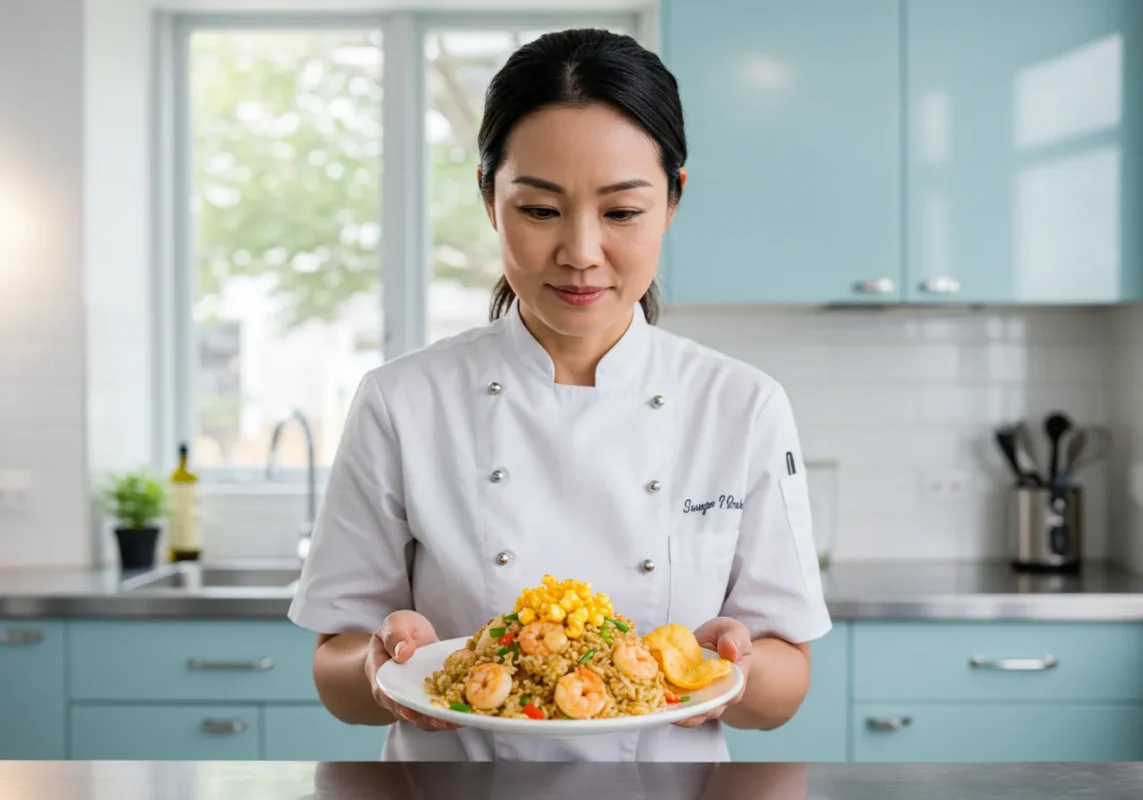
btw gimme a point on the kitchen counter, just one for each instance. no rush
(881, 590)
(346, 781)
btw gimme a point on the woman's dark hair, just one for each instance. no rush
(577, 68)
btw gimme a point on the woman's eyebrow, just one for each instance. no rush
(548, 186)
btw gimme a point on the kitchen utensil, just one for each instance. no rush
(1022, 464)
(1055, 426)
(1006, 441)
(1046, 528)
(1084, 445)
(1027, 455)
(405, 683)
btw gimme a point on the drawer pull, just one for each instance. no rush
(940, 286)
(261, 665)
(887, 723)
(23, 638)
(875, 286)
(224, 727)
(1014, 664)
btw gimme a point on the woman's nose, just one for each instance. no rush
(581, 243)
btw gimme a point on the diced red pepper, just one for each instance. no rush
(671, 697)
(532, 712)
(507, 639)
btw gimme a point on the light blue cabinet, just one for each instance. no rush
(32, 696)
(978, 732)
(166, 732)
(208, 660)
(793, 114)
(1025, 136)
(311, 733)
(818, 732)
(908, 151)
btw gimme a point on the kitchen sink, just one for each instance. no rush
(192, 577)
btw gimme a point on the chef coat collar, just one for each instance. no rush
(620, 366)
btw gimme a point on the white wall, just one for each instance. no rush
(41, 282)
(118, 220)
(1127, 423)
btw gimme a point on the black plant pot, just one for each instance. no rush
(137, 547)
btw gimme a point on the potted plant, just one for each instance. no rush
(137, 501)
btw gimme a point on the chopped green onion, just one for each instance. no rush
(496, 633)
(511, 617)
(516, 648)
(618, 624)
(586, 657)
(524, 700)
(502, 650)
(684, 698)
(460, 707)
(605, 636)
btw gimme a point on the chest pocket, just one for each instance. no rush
(700, 570)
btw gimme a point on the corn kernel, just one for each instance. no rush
(527, 615)
(555, 613)
(578, 617)
(596, 620)
(574, 631)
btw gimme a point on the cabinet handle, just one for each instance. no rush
(940, 286)
(261, 665)
(876, 286)
(23, 638)
(887, 723)
(224, 727)
(1014, 664)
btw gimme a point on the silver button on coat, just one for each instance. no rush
(647, 566)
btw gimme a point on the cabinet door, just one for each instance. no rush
(311, 733)
(997, 732)
(32, 690)
(817, 733)
(165, 733)
(1024, 131)
(793, 115)
(204, 660)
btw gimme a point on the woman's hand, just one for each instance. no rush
(398, 638)
(731, 640)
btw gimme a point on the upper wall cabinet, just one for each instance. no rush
(1024, 142)
(999, 145)
(793, 113)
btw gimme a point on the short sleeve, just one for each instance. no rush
(775, 584)
(358, 568)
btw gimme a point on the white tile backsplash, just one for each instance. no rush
(903, 401)
(1126, 488)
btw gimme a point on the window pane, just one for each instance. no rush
(464, 253)
(286, 137)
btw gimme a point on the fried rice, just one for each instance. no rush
(535, 677)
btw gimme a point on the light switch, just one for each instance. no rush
(15, 485)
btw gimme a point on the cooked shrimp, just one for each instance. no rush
(542, 638)
(459, 661)
(488, 686)
(635, 661)
(581, 694)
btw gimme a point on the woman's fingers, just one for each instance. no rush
(403, 631)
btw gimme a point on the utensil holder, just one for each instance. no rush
(1046, 528)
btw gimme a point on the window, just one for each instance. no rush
(281, 191)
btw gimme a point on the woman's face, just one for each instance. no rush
(581, 208)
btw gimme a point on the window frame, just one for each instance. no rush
(405, 182)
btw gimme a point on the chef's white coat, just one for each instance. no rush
(675, 485)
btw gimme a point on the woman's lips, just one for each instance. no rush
(579, 295)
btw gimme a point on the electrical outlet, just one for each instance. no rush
(15, 485)
(951, 485)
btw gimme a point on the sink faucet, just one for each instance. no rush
(311, 480)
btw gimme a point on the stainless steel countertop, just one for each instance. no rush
(190, 780)
(883, 590)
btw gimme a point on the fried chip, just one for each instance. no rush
(680, 657)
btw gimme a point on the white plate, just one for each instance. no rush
(405, 683)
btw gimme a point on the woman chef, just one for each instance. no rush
(570, 436)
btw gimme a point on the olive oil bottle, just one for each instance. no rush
(183, 538)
